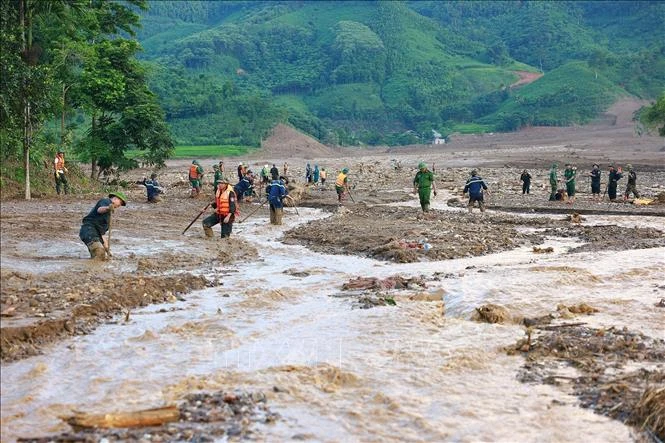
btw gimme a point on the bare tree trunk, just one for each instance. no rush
(24, 97)
(93, 160)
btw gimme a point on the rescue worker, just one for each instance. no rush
(241, 171)
(315, 174)
(96, 224)
(285, 168)
(526, 182)
(342, 184)
(244, 186)
(595, 182)
(195, 176)
(475, 186)
(274, 172)
(631, 185)
(324, 176)
(275, 192)
(612, 181)
(570, 174)
(221, 167)
(218, 177)
(423, 183)
(153, 189)
(264, 174)
(59, 172)
(308, 174)
(226, 210)
(553, 181)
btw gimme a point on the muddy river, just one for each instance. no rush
(419, 370)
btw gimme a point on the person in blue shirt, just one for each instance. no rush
(244, 187)
(96, 224)
(475, 186)
(275, 192)
(153, 189)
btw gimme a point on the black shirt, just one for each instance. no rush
(99, 221)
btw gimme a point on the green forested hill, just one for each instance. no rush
(390, 72)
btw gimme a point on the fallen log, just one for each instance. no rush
(134, 419)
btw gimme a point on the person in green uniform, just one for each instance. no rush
(553, 181)
(218, 177)
(423, 183)
(570, 173)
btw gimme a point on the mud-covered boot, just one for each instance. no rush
(279, 212)
(273, 216)
(97, 251)
(425, 208)
(207, 230)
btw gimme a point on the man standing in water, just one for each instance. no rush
(631, 186)
(423, 183)
(97, 222)
(275, 193)
(553, 181)
(225, 210)
(475, 186)
(595, 182)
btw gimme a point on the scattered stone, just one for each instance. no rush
(491, 313)
(547, 250)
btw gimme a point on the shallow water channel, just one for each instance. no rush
(401, 373)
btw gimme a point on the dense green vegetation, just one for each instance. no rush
(66, 58)
(390, 72)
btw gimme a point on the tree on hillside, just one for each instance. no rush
(52, 54)
(653, 117)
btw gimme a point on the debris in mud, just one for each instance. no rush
(371, 301)
(660, 304)
(491, 313)
(547, 250)
(581, 308)
(575, 218)
(601, 355)
(612, 237)
(394, 282)
(76, 307)
(199, 417)
(296, 273)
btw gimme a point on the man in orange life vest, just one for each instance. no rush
(226, 210)
(195, 175)
(59, 172)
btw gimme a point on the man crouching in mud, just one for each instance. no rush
(97, 222)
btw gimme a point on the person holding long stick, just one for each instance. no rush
(226, 210)
(97, 223)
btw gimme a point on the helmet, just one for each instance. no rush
(196, 162)
(215, 167)
(474, 172)
(629, 166)
(153, 176)
(345, 170)
(554, 165)
(422, 165)
(121, 196)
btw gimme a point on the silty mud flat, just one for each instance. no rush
(274, 319)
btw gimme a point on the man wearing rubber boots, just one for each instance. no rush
(275, 193)
(423, 183)
(475, 186)
(97, 223)
(225, 210)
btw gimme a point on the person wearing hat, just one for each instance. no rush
(275, 192)
(595, 182)
(342, 184)
(153, 189)
(195, 176)
(218, 177)
(59, 172)
(631, 186)
(423, 183)
(570, 173)
(226, 210)
(244, 187)
(96, 224)
(475, 186)
(525, 178)
(612, 181)
(274, 172)
(553, 181)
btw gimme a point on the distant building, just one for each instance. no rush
(438, 138)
